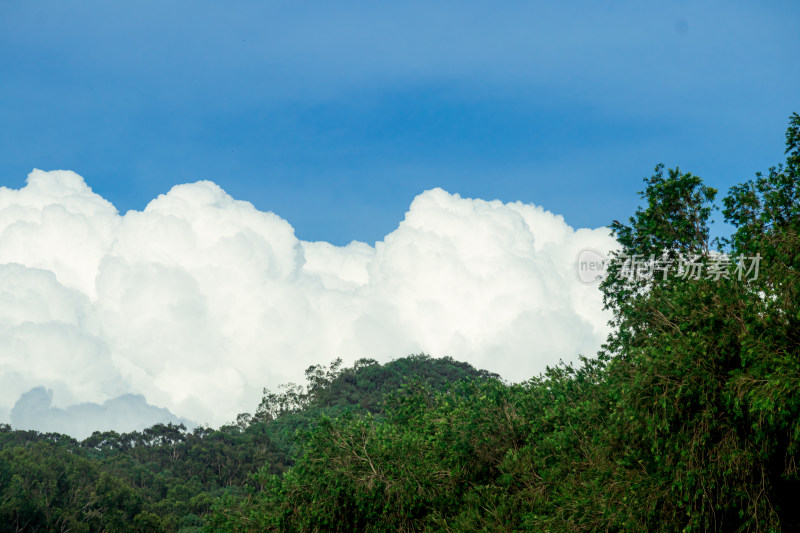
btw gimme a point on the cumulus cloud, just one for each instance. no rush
(200, 300)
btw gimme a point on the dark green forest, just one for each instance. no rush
(688, 419)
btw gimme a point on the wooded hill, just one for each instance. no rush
(166, 478)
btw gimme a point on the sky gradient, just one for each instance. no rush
(335, 118)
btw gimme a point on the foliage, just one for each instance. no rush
(166, 478)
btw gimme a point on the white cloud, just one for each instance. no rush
(201, 300)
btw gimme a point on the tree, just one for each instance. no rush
(705, 369)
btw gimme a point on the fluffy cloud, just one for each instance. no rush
(201, 300)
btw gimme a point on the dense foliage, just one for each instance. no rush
(166, 478)
(688, 419)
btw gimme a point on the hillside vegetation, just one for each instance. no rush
(166, 478)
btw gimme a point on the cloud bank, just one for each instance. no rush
(200, 300)
(129, 412)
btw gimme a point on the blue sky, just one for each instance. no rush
(335, 116)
